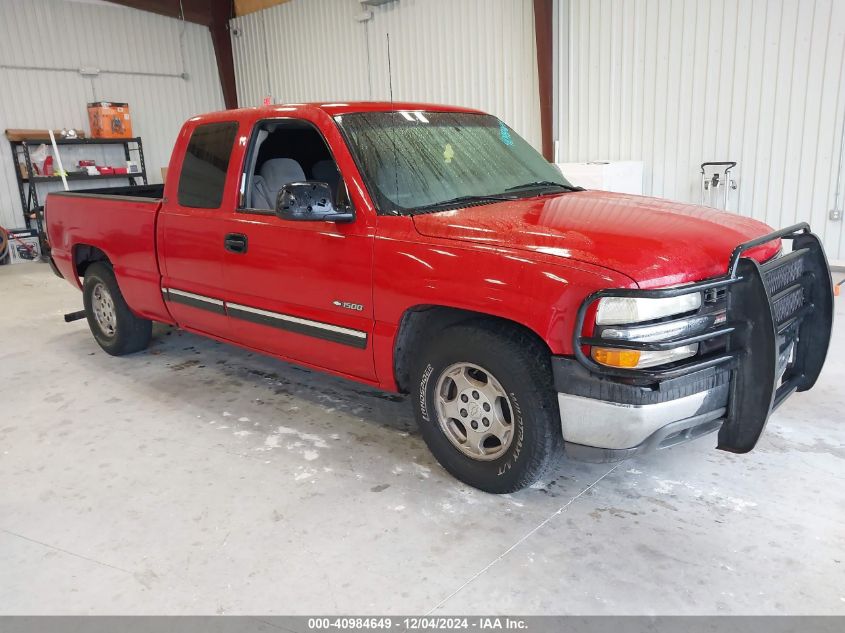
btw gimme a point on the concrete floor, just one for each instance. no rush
(198, 478)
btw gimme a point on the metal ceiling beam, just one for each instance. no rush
(197, 11)
(213, 14)
(245, 7)
(545, 72)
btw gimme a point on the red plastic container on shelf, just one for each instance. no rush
(106, 171)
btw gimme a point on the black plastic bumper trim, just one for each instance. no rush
(573, 378)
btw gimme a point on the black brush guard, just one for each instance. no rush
(779, 316)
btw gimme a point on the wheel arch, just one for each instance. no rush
(420, 321)
(86, 254)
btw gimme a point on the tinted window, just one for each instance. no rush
(206, 162)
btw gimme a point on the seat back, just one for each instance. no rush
(273, 175)
(326, 171)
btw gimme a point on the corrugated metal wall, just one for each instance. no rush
(678, 82)
(142, 48)
(477, 53)
(302, 50)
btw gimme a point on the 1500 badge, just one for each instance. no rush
(348, 306)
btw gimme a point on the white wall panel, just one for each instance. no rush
(302, 50)
(678, 82)
(476, 53)
(144, 55)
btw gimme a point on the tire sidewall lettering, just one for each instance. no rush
(426, 377)
(513, 457)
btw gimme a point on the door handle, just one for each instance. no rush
(235, 243)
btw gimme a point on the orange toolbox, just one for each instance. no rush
(109, 120)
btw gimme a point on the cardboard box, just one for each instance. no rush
(109, 120)
(38, 135)
(24, 246)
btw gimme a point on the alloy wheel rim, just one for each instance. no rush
(103, 306)
(474, 411)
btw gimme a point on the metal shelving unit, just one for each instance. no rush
(28, 185)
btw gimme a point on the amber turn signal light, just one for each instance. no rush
(616, 357)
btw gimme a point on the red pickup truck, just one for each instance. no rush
(430, 250)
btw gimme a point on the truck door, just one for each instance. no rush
(191, 227)
(298, 289)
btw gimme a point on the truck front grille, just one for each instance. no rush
(785, 306)
(780, 276)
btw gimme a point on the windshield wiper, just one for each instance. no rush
(544, 184)
(462, 199)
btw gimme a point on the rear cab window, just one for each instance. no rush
(203, 175)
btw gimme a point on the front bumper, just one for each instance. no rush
(778, 323)
(603, 420)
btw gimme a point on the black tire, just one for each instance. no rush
(130, 333)
(523, 369)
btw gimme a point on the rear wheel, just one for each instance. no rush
(486, 406)
(117, 330)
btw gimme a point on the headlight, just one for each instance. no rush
(617, 310)
(636, 359)
(622, 314)
(685, 326)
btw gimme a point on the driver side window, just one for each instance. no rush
(286, 151)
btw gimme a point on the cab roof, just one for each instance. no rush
(334, 109)
(388, 106)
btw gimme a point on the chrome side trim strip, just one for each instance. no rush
(290, 323)
(292, 319)
(200, 302)
(191, 295)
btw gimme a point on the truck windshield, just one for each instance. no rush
(419, 162)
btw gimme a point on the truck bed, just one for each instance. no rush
(152, 192)
(119, 222)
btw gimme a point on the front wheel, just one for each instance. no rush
(114, 326)
(486, 406)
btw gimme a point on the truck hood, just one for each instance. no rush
(655, 242)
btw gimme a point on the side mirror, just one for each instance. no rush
(309, 201)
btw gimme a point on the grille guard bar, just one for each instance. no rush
(770, 307)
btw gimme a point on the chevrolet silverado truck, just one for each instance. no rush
(430, 250)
